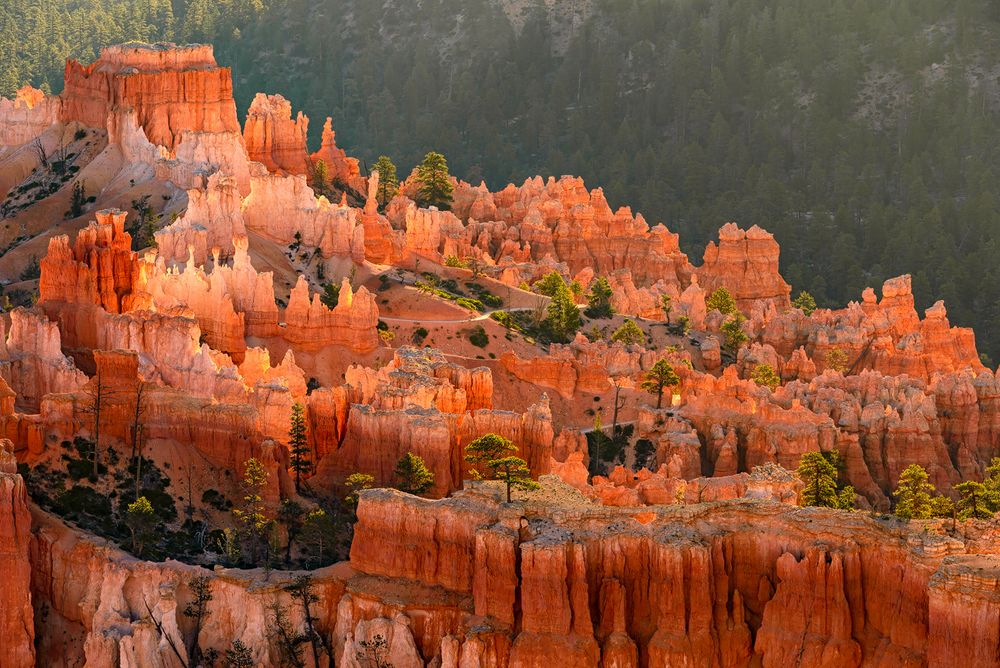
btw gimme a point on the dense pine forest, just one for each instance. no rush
(864, 134)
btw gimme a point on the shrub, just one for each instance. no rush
(479, 338)
(216, 500)
(419, 334)
(471, 304)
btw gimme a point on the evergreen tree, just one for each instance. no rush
(914, 494)
(140, 518)
(320, 180)
(78, 200)
(514, 473)
(805, 303)
(658, 378)
(298, 444)
(765, 376)
(721, 300)
(836, 359)
(629, 334)
(484, 450)
(330, 296)
(599, 299)
(254, 524)
(550, 284)
(319, 537)
(239, 656)
(975, 500)
(562, 317)
(292, 515)
(412, 475)
(355, 484)
(732, 331)
(667, 305)
(820, 478)
(197, 611)
(434, 184)
(388, 181)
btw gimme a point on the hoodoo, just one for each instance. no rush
(260, 406)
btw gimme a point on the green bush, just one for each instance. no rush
(479, 338)
(471, 304)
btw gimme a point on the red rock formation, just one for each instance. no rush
(746, 263)
(213, 218)
(963, 628)
(273, 138)
(33, 361)
(17, 627)
(679, 588)
(99, 269)
(583, 366)
(285, 210)
(171, 90)
(887, 335)
(310, 325)
(27, 116)
(340, 168)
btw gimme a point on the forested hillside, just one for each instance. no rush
(864, 134)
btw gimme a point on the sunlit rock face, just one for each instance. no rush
(170, 89)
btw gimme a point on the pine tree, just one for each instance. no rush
(658, 378)
(805, 303)
(355, 484)
(562, 317)
(140, 518)
(722, 301)
(484, 450)
(820, 478)
(197, 611)
(298, 444)
(666, 305)
(388, 181)
(254, 523)
(599, 299)
(975, 500)
(732, 330)
(239, 656)
(914, 494)
(320, 181)
(765, 376)
(78, 200)
(629, 334)
(434, 185)
(514, 473)
(836, 359)
(412, 475)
